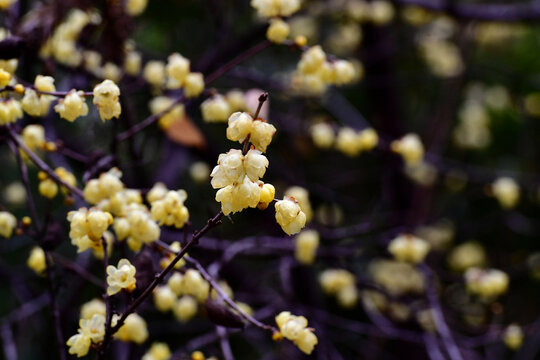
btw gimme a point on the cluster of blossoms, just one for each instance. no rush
(440, 54)
(87, 228)
(133, 220)
(171, 112)
(36, 104)
(218, 108)
(294, 328)
(486, 283)
(397, 278)
(349, 141)
(341, 284)
(315, 72)
(10, 111)
(62, 44)
(92, 328)
(48, 188)
(409, 248)
(175, 74)
(237, 175)
(168, 208)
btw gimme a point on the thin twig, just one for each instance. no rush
(42, 165)
(224, 343)
(25, 180)
(55, 310)
(108, 310)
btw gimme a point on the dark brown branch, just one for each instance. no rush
(213, 222)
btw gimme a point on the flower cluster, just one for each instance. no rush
(72, 106)
(351, 142)
(10, 111)
(488, 283)
(34, 103)
(295, 328)
(136, 225)
(87, 227)
(397, 278)
(409, 248)
(341, 284)
(62, 44)
(91, 331)
(315, 72)
(106, 99)
(121, 277)
(170, 209)
(237, 177)
(160, 104)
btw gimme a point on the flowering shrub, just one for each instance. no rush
(268, 179)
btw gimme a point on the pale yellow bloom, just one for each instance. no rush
(121, 277)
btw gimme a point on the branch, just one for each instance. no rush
(213, 222)
(500, 12)
(41, 164)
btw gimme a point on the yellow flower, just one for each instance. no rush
(489, 283)
(158, 351)
(409, 147)
(177, 69)
(154, 73)
(215, 109)
(36, 261)
(79, 345)
(106, 99)
(193, 85)
(261, 134)
(409, 248)
(513, 337)
(93, 307)
(278, 31)
(164, 298)
(506, 191)
(135, 7)
(8, 222)
(294, 328)
(289, 215)
(94, 327)
(134, 329)
(87, 227)
(121, 277)
(301, 195)
(240, 126)
(306, 244)
(185, 308)
(322, 135)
